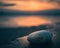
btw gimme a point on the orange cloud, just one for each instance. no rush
(31, 5)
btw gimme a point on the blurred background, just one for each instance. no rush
(22, 17)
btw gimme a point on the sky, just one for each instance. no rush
(30, 6)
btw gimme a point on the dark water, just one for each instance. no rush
(11, 33)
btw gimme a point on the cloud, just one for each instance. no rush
(9, 12)
(29, 5)
(6, 4)
(55, 1)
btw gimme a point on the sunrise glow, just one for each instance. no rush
(31, 5)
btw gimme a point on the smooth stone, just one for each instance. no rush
(42, 36)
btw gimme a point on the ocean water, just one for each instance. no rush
(9, 32)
